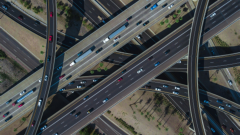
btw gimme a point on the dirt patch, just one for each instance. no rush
(10, 72)
(139, 111)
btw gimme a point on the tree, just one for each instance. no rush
(179, 11)
(41, 9)
(142, 113)
(181, 129)
(42, 52)
(177, 21)
(23, 119)
(166, 129)
(41, 61)
(101, 64)
(45, 1)
(180, 18)
(99, 70)
(162, 23)
(92, 72)
(174, 16)
(166, 21)
(105, 68)
(169, 25)
(21, 1)
(159, 123)
(15, 130)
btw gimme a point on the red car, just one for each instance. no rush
(223, 126)
(20, 17)
(50, 39)
(232, 130)
(33, 123)
(120, 79)
(20, 105)
(51, 14)
(61, 76)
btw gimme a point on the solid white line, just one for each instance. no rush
(4, 41)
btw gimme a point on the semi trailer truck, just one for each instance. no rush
(115, 33)
(81, 57)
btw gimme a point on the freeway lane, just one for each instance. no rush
(192, 79)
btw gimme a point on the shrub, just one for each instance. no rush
(45, 1)
(129, 127)
(181, 129)
(101, 64)
(105, 68)
(41, 61)
(174, 16)
(26, 3)
(66, 26)
(180, 18)
(24, 119)
(109, 112)
(153, 118)
(142, 113)
(159, 123)
(29, 6)
(15, 130)
(2, 54)
(179, 11)
(58, 15)
(92, 72)
(166, 21)
(162, 23)
(21, 1)
(42, 52)
(169, 25)
(99, 70)
(36, 10)
(166, 129)
(40, 9)
(177, 21)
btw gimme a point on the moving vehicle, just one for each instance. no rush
(86, 97)
(115, 44)
(39, 102)
(167, 51)
(79, 54)
(230, 82)
(157, 4)
(139, 22)
(228, 105)
(72, 112)
(156, 64)
(83, 82)
(175, 92)
(44, 127)
(60, 67)
(205, 101)
(33, 123)
(7, 119)
(232, 130)
(219, 101)
(150, 58)
(21, 105)
(6, 114)
(50, 38)
(23, 97)
(138, 36)
(77, 114)
(170, 6)
(20, 17)
(40, 80)
(213, 130)
(129, 18)
(69, 77)
(140, 70)
(51, 14)
(158, 89)
(79, 86)
(164, 5)
(4, 7)
(49, 57)
(221, 107)
(101, 19)
(81, 57)
(116, 39)
(71, 83)
(94, 80)
(37, 22)
(177, 87)
(224, 126)
(120, 79)
(61, 76)
(145, 23)
(99, 50)
(62, 89)
(90, 110)
(212, 15)
(114, 33)
(105, 100)
(124, 70)
(22, 92)
(165, 86)
(207, 30)
(147, 87)
(148, 5)
(8, 101)
(45, 78)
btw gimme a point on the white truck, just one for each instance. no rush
(81, 57)
(114, 33)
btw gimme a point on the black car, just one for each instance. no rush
(139, 22)
(49, 57)
(115, 44)
(71, 113)
(77, 114)
(71, 83)
(129, 18)
(69, 77)
(164, 5)
(8, 101)
(232, 111)
(90, 110)
(167, 51)
(145, 23)
(147, 86)
(124, 70)
(8, 118)
(99, 50)
(148, 5)
(37, 22)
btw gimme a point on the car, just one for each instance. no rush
(8, 101)
(175, 92)
(145, 23)
(147, 87)
(206, 30)
(138, 36)
(50, 38)
(154, 6)
(99, 50)
(150, 58)
(129, 18)
(44, 127)
(232, 111)
(56, 134)
(20, 17)
(228, 105)
(49, 57)
(7, 119)
(69, 77)
(124, 70)
(120, 79)
(221, 107)
(6, 114)
(77, 114)
(156, 64)
(22, 92)
(148, 5)
(219, 101)
(179, 61)
(115, 44)
(165, 86)
(79, 54)
(37, 23)
(83, 82)
(33, 123)
(177, 87)
(166, 52)
(230, 82)
(71, 83)
(71, 113)
(164, 5)
(90, 110)
(224, 126)
(4, 7)
(45, 78)
(170, 6)
(158, 89)
(39, 102)
(86, 97)
(213, 130)
(140, 70)
(116, 39)
(62, 89)
(40, 80)
(79, 86)
(60, 67)
(212, 15)
(60, 77)
(232, 130)
(139, 22)
(21, 105)
(94, 80)
(105, 100)
(212, 51)
(206, 101)
(51, 14)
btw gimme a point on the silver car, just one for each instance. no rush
(221, 107)
(140, 70)
(22, 92)
(45, 78)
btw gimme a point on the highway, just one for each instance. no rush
(17, 51)
(192, 66)
(48, 68)
(35, 27)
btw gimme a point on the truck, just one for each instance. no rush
(23, 97)
(115, 33)
(81, 57)
(157, 4)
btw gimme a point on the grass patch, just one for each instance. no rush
(6, 77)
(129, 127)
(16, 65)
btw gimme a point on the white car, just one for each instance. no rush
(138, 37)
(179, 61)
(140, 70)
(45, 78)
(83, 82)
(116, 39)
(94, 80)
(105, 100)
(40, 80)
(212, 15)
(228, 105)
(213, 130)
(44, 127)
(170, 6)
(79, 86)
(221, 107)
(177, 87)
(158, 89)
(175, 92)
(230, 82)
(22, 92)
(39, 102)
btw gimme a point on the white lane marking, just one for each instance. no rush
(18, 48)
(14, 50)
(85, 106)
(120, 86)
(238, 58)
(93, 9)
(89, 11)
(4, 41)
(131, 79)
(213, 22)
(211, 62)
(7, 38)
(12, 11)
(109, 95)
(25, 59)
(224, 14)
(95, 99)
(180, 102)
(178, 46)
(62, 122)
(175, 43)
(236, 6)
(129, 75)
(50, 131)
(106, 91)
(97, 103)
(108, 4)
(65, 125)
